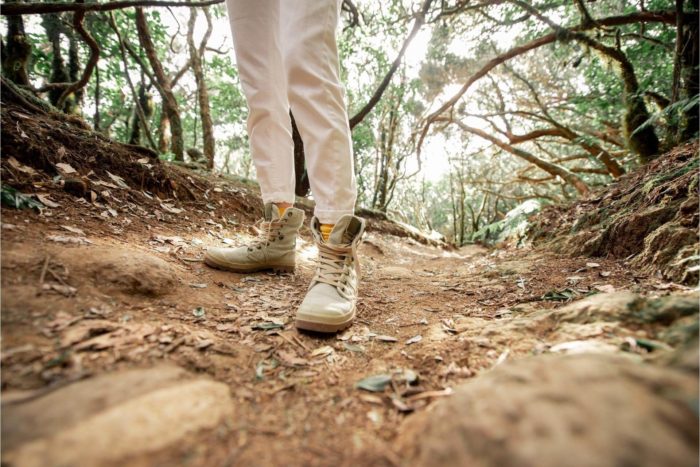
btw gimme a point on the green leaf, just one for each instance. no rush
(375, 383)
(17, 200)
(560, 295)
(267, 326)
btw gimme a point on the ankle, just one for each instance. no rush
(282, 207)
(326, 230)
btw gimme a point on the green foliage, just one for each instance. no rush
(14, 199)
(465, 187)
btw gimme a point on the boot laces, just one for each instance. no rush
(267, 231)
(334, 264)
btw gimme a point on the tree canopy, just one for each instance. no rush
(460, 110)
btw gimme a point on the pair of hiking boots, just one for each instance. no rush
(329, 305)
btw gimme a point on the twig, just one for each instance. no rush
(57, 277)
(43, 271)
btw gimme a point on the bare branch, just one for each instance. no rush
(667, 17)
(89, 66)
(417, 24)
(550, 168)
(8, 8)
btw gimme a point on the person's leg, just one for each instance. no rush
(316, 97)
(255, 26)
(317, 100)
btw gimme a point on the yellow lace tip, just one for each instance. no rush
(326, 230)
(282, 211)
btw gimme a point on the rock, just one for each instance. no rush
(574, 410)
(599, 307)
(123, 269)
(111, 417)
(665, 310)
(76, 186)
(662, 252)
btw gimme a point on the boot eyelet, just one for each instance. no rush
(281, 237)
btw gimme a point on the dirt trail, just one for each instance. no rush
(86, 294)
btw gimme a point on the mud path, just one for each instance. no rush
(85, 297)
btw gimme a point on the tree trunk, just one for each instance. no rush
(202, 92)
(72, 105)
(689, 78)
(301, 177)
(96, 116)
(59, 74)
(171, 107)
(16, 52)
(164, 131)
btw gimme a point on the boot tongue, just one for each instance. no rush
(345, 231)
(272, 212)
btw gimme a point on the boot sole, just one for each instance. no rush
(279, 269)
(319, 326)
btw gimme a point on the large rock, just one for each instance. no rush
(111, 417)
(125, 270)
(578, 410)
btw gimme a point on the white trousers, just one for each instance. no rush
(288, 59)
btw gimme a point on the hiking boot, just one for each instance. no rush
(329, 305)
(272, 250)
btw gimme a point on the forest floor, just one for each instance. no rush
(120, 347)
(94, 290)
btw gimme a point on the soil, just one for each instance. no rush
(120, 345)
(649, 216)
(132, 292)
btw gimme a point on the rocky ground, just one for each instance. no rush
(119, 347)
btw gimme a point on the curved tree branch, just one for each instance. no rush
(417, 24)
(89, 66)
(550, 168)
(667, 17)
(7, 8)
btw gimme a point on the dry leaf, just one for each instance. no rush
(65, 168)
(371, 399)
(46, 201)
(75, 230)
(324, 351)
(17, 165)
(290, 359)
(117, 179)
(414, 340)
(171, 209)
(65, 290)
(386, 338)
(65, 239)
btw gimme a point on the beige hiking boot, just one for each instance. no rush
(329, 305)
(272, 250)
